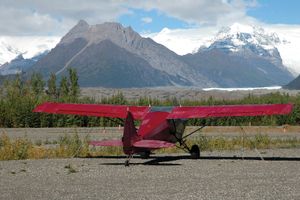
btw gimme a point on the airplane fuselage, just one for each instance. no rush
(156, 126)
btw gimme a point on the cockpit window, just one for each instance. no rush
(161, 109)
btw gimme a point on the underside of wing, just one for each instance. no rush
(148, 144)
(153, 144)
(98, 110)
(229, 110)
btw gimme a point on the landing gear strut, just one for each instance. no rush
(195, 150)
(128, 160)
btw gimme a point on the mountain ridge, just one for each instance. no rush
(159, 57)
(250, 56)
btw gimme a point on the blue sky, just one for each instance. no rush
(266, 11)
(277, 11)
(56, 17)
(138, 21)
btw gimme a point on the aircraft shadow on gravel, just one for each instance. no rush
(165, 160)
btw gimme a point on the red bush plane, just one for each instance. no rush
(160, 127)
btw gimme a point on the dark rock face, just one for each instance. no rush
(237, 69)
(294, 84)
(58, 57)
(20, 65)
(118, 69)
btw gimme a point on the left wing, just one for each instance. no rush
(229, 111)
(98, 110)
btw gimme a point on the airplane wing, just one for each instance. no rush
(98, 110)
(229, 111)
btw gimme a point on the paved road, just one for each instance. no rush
(218, 175)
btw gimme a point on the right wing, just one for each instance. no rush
(97, 110)
(187, 112)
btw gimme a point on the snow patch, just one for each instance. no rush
(244, 89)
(28, 46)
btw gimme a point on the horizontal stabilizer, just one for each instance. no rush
(153, 144)
(107, 143)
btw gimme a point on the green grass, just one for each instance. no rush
(73, 146)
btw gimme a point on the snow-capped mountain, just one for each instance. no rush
(248, 41)
(243, 56)
(7, 52)
(19, 64)
(238, 36)
(12, 47)
(268, 40)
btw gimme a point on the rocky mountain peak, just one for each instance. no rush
(239, 35)
(94, 34)
(249, 41)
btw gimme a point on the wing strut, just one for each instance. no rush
(198, 129)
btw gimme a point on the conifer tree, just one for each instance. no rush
(52, 91)
(64, 87)
(74, 86)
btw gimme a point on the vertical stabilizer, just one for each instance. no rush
(129, 135)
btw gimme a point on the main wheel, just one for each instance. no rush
(195, 152)
(126, 163)
(145, 154)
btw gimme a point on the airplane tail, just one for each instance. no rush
(130, 140)
(129, 135)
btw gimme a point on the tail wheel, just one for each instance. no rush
(195, 152)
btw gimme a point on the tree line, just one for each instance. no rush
(19, 97)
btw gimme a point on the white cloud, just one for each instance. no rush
(146, 20)
(290, 48)
(201, 12)
(56, 17)
(184, 41)
(28, 46)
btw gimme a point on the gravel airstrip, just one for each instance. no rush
(255, 174)
(217, 175)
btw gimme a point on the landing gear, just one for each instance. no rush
(128, 160)
(145, 154)
(195, 152)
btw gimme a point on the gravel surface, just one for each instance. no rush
(180, 93)
(217, 175)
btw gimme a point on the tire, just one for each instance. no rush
(127, 163)
(195, 152)
(145, 154)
